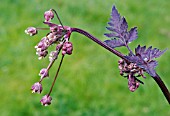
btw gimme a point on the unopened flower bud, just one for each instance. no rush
(44, 73)
(36, 88)
(53, 55)
(31, 31)
(48, 15)
(67, 48)
(46, 100)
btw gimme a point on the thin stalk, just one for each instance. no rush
(49, 66)
(129, 50)
(99, 42)
(162, 87)
(58, 17)
(39, 28)
(56, 75)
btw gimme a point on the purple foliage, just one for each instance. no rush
(120, 36)
(144, 58)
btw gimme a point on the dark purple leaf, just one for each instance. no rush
(150, 67)
(144, 58)
(114, 43)
(111, 34)
(148, 53)
(118, 27)
(157, 53)
(140, 50)
(124, 25)
(133, 34)
(115, 16)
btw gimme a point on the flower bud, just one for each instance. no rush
(36, 88)
(67, 48)
(48, 15)
(43, 73)
(53, 55)
(132, 83)
(46, 100)
(31, 31)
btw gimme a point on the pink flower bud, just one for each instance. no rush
(36, 88)
(67, 48)
(46, 100)
(48, 15)
(43, 73)
(31, 31)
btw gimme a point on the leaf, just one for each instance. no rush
(124, 25)
(111, 35)
(115, 19)
(133, 34)
(119, 30)
(150, 67)
(144, 58)
(114, 43)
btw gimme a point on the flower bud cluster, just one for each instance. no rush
(42, 46)
(58, 35)
(67, 48)
(133, 84)
(131, 71)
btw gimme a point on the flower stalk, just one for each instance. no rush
(99, 42)
(56, 75)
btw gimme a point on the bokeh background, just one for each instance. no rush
(89, 83)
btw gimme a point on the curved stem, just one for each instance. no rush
(56, 75)
(58, 17)
(99, 42)
(156, 78)
(162, 87)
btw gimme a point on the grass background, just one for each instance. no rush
(89, 83)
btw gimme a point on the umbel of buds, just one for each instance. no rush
(131, 71)
(131, 66)
(59, 36)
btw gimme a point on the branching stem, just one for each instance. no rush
(58, 17)
(156, 78)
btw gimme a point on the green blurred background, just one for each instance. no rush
(89, 83)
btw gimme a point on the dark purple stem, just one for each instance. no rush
(156, 78)
(99, 42)
(56, 75)
(162, 87)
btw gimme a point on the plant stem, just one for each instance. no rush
(99, 42)
(39, 28)
(56, 75)
(156, 78)
(162, 87)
